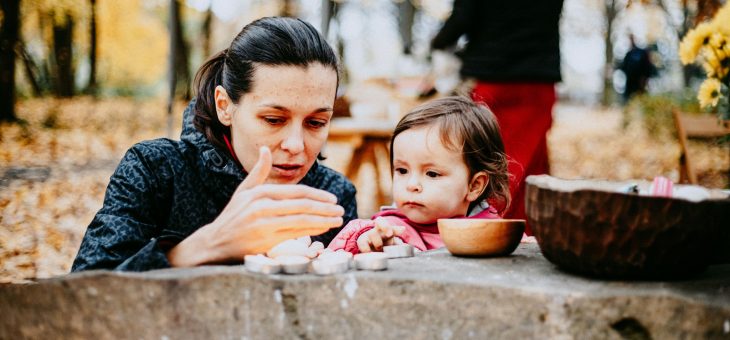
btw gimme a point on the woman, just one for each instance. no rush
(244, 175)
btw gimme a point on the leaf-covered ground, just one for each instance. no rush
(55, 164)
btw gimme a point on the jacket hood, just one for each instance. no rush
(189, 132)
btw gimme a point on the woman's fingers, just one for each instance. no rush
(292, 191)
(266, 207)
(299, 222)
(260, 171)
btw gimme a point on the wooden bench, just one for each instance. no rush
(370, 138)
(694, 126)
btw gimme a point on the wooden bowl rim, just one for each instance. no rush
(608, 187)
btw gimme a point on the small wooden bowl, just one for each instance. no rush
(481, 237)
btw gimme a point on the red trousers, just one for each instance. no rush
(524, 112)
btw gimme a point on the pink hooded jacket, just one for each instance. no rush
(422, 236)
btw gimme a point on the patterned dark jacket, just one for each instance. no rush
(163, 190)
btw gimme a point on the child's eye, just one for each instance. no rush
(317, 124)
(401, 171)
(432, 174)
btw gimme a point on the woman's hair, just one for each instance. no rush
(473, 130)
(271, 41)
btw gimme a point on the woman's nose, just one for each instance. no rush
(294, 141)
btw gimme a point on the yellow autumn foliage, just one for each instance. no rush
(133, 44)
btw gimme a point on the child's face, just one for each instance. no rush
(430, 181)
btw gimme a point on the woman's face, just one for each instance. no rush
(288, 109)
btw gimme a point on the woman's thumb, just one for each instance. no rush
(260, 171)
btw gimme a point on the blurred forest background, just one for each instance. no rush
(83, 80)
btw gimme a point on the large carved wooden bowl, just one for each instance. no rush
(591, 228)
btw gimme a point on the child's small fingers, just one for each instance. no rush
(389, 241)
(376, 241)
(363, 244)
(398, 230)
(380, 222)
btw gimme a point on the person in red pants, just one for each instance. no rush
(513, 53)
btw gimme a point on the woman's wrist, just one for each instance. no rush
(195, 250)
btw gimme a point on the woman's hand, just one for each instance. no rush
(257, 217)
(381, 235)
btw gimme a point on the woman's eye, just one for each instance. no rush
(432, 174)
(274, 120)
(401, 171)
(317, 123)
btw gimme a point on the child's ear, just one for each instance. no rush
(223, 106)
(477, 185)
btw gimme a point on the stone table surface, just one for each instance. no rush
(433, 295)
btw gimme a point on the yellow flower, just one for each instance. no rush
(709, 93)
(716, 63)
(693, 41)
(718, 41)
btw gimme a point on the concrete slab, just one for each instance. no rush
(433, 295)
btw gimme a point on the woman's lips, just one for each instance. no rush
(287, 170)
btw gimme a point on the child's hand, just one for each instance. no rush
(382, 235)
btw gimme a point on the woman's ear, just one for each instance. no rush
(223, 106)
(477, 185)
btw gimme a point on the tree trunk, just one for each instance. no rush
(91, 88)
(62, 42)
(287, 9)
(181, 53)
(328, 12)
(407, 13)
(31, 69)
(207, 27)
(172, 70)
(8, 41)
(608, 93)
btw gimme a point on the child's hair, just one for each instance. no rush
(472, 129)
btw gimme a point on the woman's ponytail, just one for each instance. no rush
(209, 75)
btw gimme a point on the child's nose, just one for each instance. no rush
(414, 184)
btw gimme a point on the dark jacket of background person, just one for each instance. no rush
(638, 68)
(164, 190)
(527, 51)
(513, 52)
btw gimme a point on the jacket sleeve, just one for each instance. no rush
(348, 202)
(123, 235)
(456, 25)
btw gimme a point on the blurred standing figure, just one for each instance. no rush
(637, 67)
(513, 52)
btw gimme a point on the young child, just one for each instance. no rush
(448, 161)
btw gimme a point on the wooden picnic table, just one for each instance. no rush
(369, 138)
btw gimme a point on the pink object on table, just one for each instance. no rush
(661, 187)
